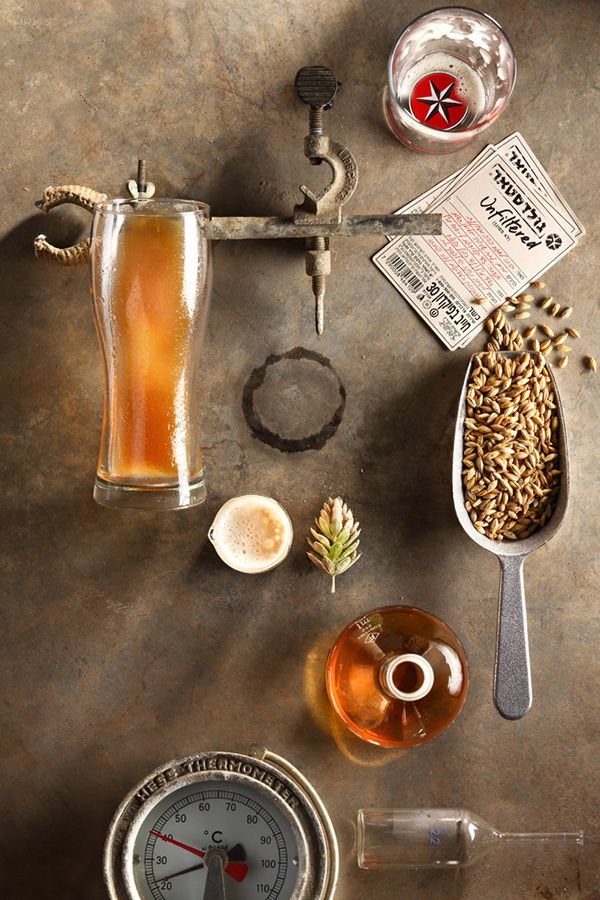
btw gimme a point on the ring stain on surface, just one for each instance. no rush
(260, 376)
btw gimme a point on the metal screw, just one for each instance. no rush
(315, 121)
(139, 187)
(316, 86)
(142, 183)
(318, 266)
(318, 286)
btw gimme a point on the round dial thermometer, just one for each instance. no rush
(222, 825)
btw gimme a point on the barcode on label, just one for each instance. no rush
(404, 272)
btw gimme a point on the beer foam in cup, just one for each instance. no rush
(252, 533)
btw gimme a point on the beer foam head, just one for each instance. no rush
(251, 533)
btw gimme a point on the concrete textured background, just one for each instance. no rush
(125, 641)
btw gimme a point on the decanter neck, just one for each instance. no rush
(406, 676)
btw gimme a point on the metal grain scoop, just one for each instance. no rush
(512, 674)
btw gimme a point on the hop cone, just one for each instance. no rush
(335, 539)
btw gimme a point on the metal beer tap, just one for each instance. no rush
(317, 87)
(316, 219)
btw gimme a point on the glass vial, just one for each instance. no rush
(433, 838)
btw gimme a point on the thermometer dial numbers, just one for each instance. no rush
(256, 811)
(171, 845)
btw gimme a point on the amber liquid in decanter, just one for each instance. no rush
(397, 676)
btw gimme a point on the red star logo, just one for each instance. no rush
(435, 102)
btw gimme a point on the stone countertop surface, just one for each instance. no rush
(126, 642)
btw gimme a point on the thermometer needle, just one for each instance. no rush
(236, 856)
(182, 872)
(215, 883)
(237, 870)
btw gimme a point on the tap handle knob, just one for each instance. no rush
(316, 86)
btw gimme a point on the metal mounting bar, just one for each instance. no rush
(238, 228)
(318, 218)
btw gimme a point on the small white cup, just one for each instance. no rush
(241, 533)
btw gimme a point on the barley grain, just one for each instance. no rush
(510, 474)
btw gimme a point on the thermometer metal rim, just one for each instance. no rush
(264, 772)
(241, 780)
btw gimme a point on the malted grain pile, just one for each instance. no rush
(511, 466)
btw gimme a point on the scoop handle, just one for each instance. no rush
(512, 676)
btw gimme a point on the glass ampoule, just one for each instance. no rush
(432, 838)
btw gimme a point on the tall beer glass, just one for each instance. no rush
(151, 279)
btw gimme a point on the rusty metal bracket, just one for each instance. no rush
(316, 219)
(326, 207)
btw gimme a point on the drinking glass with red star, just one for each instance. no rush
(450, 75)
